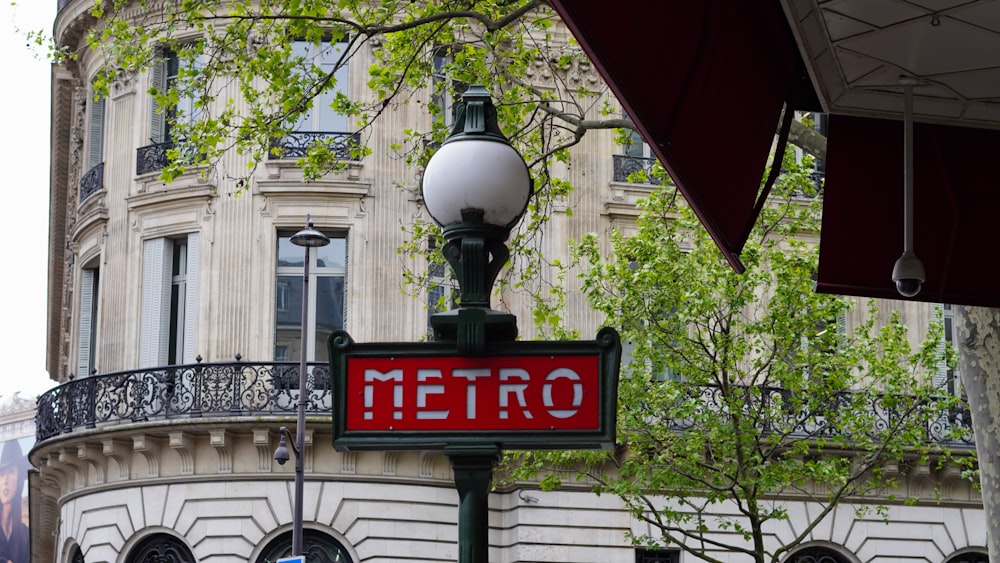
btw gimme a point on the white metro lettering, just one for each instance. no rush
(473, 394)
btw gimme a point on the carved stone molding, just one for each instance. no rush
(222, 442)
(183, 444)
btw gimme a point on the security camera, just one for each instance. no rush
(281, 452)
(908, 273)
(281, 455)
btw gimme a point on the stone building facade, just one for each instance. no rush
(172, 326)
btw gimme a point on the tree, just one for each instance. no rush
(740, 389)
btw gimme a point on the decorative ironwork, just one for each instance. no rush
(297, 143)
(152, 157)
(817, 555)
(92, 181)
(953, 430)
(970, 557)
(161, 548)
(192, 391)
(316, 546)
(626, 166)
(657, 556)
(256, 389)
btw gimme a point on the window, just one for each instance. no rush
(327, 272)
(160, 548)
(445, 88)
(969, 557)
(657, 373)
(89, 278)
(321, 118)
(95, 131)
(816, 555)
(169, 301)
(165, 74)
(442, 288)
(317, 547)
(657, 556)
(947, 377)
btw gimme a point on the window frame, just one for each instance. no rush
(290, 352)
(168, 330)
(322, 102)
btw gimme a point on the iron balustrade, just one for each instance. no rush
(297, 144)
(779, 416)
(185, 391)
(92, 182)
(151, 158)
(271, 388)
(625, 166)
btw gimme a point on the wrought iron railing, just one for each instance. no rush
(625, 166)
(296, 144)
(260, 389)
(92, 182)
(187, 391)
(952, 429)
(151, 158)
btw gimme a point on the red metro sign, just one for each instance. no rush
(519, 395)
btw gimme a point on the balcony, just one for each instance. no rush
(152, 157)
(249, 389)
(181, 392)
(952, 430)
(296, 144)
(625, 166)
(92, 182)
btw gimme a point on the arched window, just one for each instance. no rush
(318, 548)
(817, 555)
(969, 557)
(76, 556)
(160, 548)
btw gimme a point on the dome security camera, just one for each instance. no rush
(908, 273)
(281, 452)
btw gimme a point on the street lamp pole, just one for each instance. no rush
(476, 188)
(307, 238)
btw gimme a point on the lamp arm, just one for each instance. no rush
(290, 444)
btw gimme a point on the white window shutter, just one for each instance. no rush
(154, 330)
(95, 134)
(191, 300)
(158, 118)
(84, 361)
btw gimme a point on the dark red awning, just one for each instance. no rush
(956, 210)
(705, 83)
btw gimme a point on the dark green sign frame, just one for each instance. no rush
(607, 347)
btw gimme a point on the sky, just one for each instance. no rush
(24, 147)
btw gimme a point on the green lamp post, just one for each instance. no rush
(476, 187)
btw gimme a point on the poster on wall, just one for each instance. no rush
(14, 539)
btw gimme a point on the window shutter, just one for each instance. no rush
(158, 118)
(191, 300)
(940, 379)
(95, 134)
(154, 330)
(88, 286)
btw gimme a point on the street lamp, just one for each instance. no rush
(476, 188)
(307, 238)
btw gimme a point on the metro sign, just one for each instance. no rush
(521, 395)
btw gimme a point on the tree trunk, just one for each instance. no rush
(979, 362)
